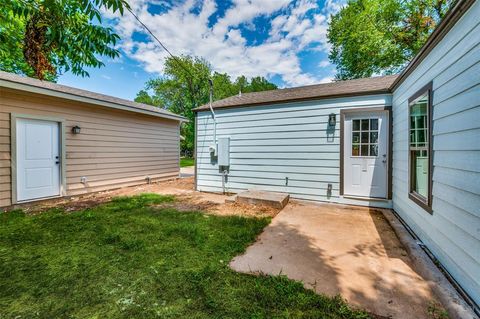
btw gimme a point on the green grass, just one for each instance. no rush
(185, 161)
(128, 259)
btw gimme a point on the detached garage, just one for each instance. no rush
(56, 140)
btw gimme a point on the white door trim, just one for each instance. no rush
(366, 110)
(13, 149)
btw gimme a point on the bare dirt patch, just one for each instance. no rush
(188, 204)
(183, 189)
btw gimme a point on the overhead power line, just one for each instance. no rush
(161, 44)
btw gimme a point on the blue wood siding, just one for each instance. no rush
(270, 143)
(452, 232)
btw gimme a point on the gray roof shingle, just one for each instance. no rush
(363, 86)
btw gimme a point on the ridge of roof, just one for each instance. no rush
(27, 84)
(363, 86)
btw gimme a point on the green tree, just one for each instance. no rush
(145, 98)
(43, 38)
(258, 84)
(185, 86)
(380, 36)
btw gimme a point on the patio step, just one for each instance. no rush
(259, 197)
(231, 199)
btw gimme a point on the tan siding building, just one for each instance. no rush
(120, 143)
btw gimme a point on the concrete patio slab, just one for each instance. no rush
(337, 249)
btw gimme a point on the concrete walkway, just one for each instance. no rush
(336, 249)
(187, 171)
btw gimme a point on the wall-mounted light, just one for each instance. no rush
(76, 129)
(332, 120)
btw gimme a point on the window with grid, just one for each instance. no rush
(419, 148)
(365, 137)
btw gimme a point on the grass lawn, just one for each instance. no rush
(130, 259)
(186, 161)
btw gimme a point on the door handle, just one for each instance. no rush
(384, 158)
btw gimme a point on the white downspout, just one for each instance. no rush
(214, 119)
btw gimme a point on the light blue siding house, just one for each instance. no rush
(452, 229)
(288, 147)
(409, 142)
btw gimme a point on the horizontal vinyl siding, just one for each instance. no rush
(5, 164)
(114, 149)
(270, 143)
(452, 232)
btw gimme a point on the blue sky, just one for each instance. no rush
(282, 40)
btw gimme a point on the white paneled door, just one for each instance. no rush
(38, 159)
(366, 154)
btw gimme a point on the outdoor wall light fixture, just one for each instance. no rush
(76, 129)
(332, 120)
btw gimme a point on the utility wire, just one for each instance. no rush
(161, 44)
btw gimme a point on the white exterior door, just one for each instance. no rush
(366, 154)
(38, 159)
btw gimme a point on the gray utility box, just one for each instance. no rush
(223, 151)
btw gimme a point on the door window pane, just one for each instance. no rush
(365, 137)
(374, 137)
(364, 150)
(355, 150)
(356, 137)
(373, 150)
(364, 125)
(356, 125)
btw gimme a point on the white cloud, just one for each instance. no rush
(324, 63)
(184, 28)
(326, 79)
(244, 11)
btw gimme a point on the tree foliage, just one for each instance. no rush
(42, 38)
(380, 36)
(185, 86)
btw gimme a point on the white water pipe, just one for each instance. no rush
(210, 82)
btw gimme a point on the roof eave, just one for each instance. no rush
(333, 96)
(74, 97)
